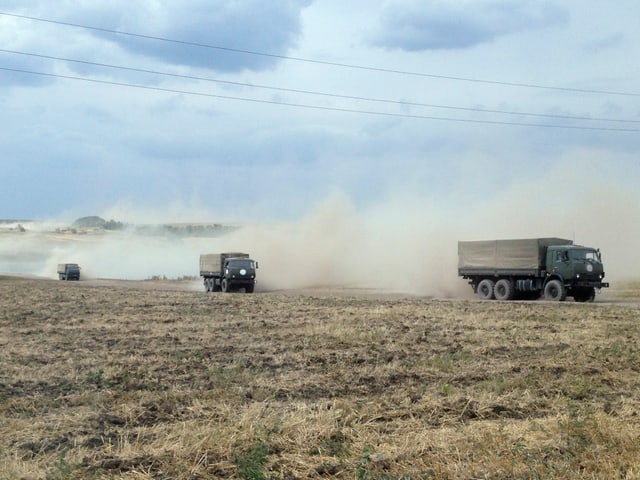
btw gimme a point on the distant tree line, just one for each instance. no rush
(191, 230)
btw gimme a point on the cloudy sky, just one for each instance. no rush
(207, 110)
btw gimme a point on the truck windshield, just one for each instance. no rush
(240, 263)
(585, 254)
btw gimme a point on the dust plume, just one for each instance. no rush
(335, 245)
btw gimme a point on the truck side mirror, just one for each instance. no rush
(256, 265)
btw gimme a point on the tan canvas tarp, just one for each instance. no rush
(210, 262)
(509, 254)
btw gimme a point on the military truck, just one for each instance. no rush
(68, 271)
(528, 268)
(228, 272)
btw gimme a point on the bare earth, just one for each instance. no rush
(159, 380)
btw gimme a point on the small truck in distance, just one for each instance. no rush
(228, 272)
(528, 268)
(68, 271)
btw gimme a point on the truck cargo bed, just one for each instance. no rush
(520, 256)
(211, 263)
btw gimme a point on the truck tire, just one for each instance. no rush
(485, 289)
(225, 285)
(248, 289)
(554, 291)
(503, 289)
(587, 294)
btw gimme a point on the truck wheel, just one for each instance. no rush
(485, 289)
(225, 286)
(555, 291)
(248, 289)
(503, 289)
(585, 295)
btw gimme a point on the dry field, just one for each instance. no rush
(137, 382)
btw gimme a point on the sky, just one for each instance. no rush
(478, 118)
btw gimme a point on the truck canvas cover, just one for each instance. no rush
(527, 253)
(211, 262)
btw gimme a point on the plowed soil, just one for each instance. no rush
(162, 381)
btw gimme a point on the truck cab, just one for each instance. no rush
(579, 270)
(239, 273)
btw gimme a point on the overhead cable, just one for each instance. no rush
(324, 94)
(323, 62)
(319, 107)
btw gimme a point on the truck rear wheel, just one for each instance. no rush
(503, 289)
(554, 291)
(485, 289)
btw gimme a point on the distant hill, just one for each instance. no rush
(97, 222)
(90, 222)
(177, 229)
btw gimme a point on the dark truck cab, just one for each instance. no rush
(579, 270)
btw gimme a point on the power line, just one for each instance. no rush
(318, 107)
(322, 62)
(324, 94)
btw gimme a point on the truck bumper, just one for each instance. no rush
(591, 284)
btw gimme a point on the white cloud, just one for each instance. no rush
(439, 24)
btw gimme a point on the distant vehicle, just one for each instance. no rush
(228, 272)
(68, 271)
(526, 268)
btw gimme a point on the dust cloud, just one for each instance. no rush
(407, 244)
(335, 245)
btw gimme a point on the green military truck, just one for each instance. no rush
(68, 271)
(228, 272)
(554, 268)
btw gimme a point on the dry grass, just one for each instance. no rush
(110, 382)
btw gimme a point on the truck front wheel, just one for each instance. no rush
(503, 289)
(225, 286)
(554, 291)
(585, 295)
(485, 289)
